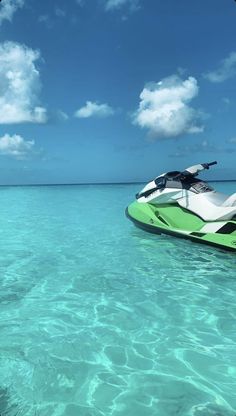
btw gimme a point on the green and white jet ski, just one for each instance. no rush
(181, 205)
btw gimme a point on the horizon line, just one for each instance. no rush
(98, 183)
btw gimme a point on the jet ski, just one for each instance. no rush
(182, 205)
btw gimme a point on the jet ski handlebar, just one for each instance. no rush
(194, 170)
(207, 165)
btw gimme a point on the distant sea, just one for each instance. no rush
(99, 318)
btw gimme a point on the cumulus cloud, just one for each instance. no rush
(46, 20)
(226, 70)
(164, 108)
(60, 12)
(117, 4)
(94, 110)
(19, 85)
(15, 146)
(111, 5)
(8, 8)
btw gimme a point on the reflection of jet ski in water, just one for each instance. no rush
(179, 204)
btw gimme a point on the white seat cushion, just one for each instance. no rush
(230, 201)
(203, 206)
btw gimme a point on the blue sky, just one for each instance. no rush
(116, 90)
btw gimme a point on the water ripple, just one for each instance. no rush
(99, 318)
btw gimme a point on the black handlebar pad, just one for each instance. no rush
(209, 164)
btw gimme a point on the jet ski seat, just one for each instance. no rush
(230, 201)
(208, 206)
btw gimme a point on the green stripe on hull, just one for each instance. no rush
(177, 221)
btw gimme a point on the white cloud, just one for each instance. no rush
(94, 110)
(232, 140)
(15, 146)
(19, 85)
(110, 5)
(8, 8)
(117, 4)
(46, 20)
(60, 12)
(164, 108)
(226, 70)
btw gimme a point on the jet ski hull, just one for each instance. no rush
(174, 220)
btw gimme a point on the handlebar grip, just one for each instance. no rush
(212, 163)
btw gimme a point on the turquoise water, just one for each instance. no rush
(101, 318)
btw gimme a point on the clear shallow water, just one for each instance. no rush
(101, 318)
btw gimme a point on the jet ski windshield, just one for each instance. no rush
(180, 180)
